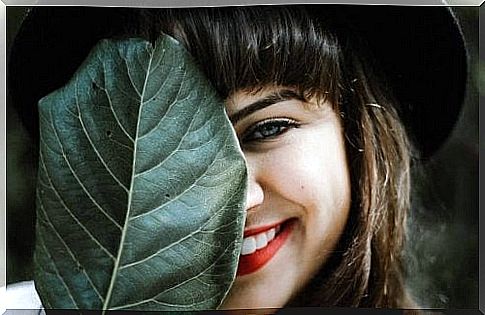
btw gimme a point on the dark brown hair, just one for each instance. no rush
(319, 54)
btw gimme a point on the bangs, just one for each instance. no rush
(249, 48)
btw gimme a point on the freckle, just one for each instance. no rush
(302, 187)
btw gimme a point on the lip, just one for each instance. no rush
(253, 262)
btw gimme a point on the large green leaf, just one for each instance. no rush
(141, 184)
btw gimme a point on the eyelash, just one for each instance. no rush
(282, 125)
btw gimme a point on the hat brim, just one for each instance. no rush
(423, 55)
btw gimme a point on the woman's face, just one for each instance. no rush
(299, 193)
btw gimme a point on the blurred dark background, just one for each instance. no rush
(442, 253)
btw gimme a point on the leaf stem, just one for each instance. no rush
(130, 194)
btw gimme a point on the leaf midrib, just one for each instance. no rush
(130, 193)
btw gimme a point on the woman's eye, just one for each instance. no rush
(268, 129)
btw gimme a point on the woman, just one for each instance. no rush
(325, 124)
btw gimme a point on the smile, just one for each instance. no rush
(262, 244)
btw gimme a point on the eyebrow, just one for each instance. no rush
(271, 99)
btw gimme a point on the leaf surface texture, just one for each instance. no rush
(141, 184)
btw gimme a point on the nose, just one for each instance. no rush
(255, 195)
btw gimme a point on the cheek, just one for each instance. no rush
(312, 172)
(312, 177)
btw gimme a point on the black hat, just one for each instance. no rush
(421, 50)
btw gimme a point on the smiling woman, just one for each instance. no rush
(299, 194)
(317, 97)
(327, 155)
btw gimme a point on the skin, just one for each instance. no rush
(295, 171)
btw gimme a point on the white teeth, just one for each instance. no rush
(270, 234)
(248, 246)
(252, 243)
(261, 240)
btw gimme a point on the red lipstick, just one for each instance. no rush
(253, 262)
